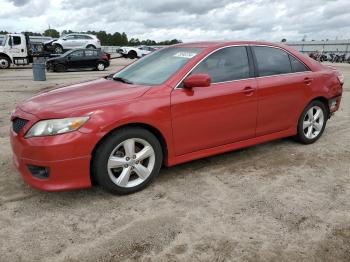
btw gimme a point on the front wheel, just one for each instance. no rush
(312, 122)
(127, 160)
(58, 49)
(4, 62)
(100, 66)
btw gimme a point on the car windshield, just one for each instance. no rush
(2, 40)
(156, 68)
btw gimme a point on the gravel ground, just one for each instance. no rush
(280, 201)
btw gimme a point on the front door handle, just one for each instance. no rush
(248, 91)
(308, 81)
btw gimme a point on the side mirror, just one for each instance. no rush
(10, 41)
(64, 39)
(197, 80)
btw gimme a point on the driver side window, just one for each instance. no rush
(79, 53)
(227, 64)
(71, 37)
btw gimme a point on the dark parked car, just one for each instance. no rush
(79, 59)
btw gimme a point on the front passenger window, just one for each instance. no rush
(227, 64)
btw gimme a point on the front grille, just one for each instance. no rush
(18, 124)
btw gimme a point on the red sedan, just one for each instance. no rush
(178, 104)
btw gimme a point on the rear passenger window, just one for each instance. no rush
(272, 61)
(297, 66)
(227, 64)
(90, 53)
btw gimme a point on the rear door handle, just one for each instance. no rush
(248, 91)
(308, 81)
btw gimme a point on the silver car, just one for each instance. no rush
(73, 41)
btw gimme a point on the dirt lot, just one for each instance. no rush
(280, 201)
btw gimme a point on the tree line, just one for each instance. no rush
(115, 39)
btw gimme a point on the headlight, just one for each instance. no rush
(56, 126)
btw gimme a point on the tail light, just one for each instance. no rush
(106, 56)
(340, 78)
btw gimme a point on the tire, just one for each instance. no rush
(91, 47)
(312, 122)
(4, 62)
(121, 170)
(60, 68)
(58, 49)
(132, 55)
(100, 66)
(50, 68)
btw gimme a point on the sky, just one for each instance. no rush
(188, 20)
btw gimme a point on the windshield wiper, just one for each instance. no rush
(121, 79)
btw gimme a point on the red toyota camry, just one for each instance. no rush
(178, 104)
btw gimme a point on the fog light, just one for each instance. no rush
(39, 171)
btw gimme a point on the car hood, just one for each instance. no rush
(76, 98)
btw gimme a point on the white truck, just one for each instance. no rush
(16, 49)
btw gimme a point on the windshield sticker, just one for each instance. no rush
(187, 55)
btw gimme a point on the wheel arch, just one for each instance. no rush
(155, 131)
(5, 55)
(324, 100)
(59, 44)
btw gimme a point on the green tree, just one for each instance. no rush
(124, 39)
(52, 32)
(65, 32)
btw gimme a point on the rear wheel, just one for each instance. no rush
(132, 55)
(60, 68)
(127, 160)
(4, 62)
(91, 47)
(312, 122)
(100, 66)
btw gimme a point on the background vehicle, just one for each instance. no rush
(18, 50)
(79, 59)
(179, 104)
(74, 41)
(135, 52)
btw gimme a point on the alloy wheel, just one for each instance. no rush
(131, 162)
(100, 67)
(58, 50)
(313, 122)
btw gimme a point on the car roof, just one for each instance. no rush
(79, 34)
(217, 44)
(86, 49)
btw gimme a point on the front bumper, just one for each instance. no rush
(66, 156)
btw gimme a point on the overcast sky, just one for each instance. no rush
(189, 20)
